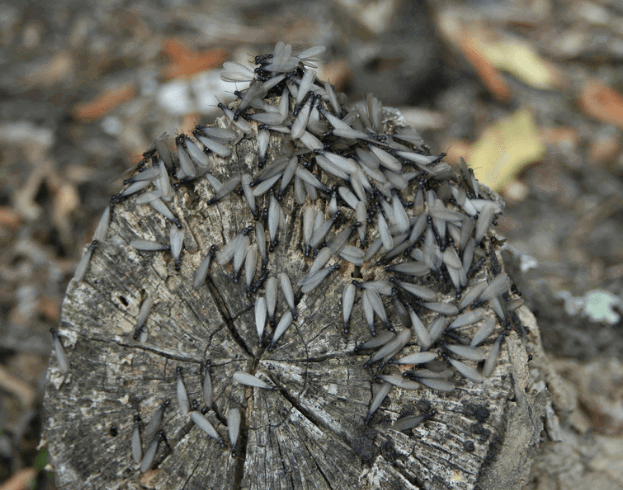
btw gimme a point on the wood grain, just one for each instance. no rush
(308, 434)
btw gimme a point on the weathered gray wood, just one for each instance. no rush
(307, 434)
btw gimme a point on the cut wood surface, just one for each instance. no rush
(309, 432)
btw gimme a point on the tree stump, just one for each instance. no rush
(309, 431)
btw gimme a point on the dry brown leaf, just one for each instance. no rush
(52, 72)
(176, 50)
(602, 102)
(489, 51)
(337, 72)
(103, 103)
(488, 73)
(457, 149)
(50, 309)
(185, 62)
(189, 121)
(22, 480)
(9, 218)
(604, 148)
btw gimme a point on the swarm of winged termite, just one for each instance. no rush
(330, 194)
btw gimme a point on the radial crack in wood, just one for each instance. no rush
(306, 392)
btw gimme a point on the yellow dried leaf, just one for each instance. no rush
(517, 57)
(505, 148)
(489, 49)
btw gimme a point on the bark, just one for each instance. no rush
(308, 434)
